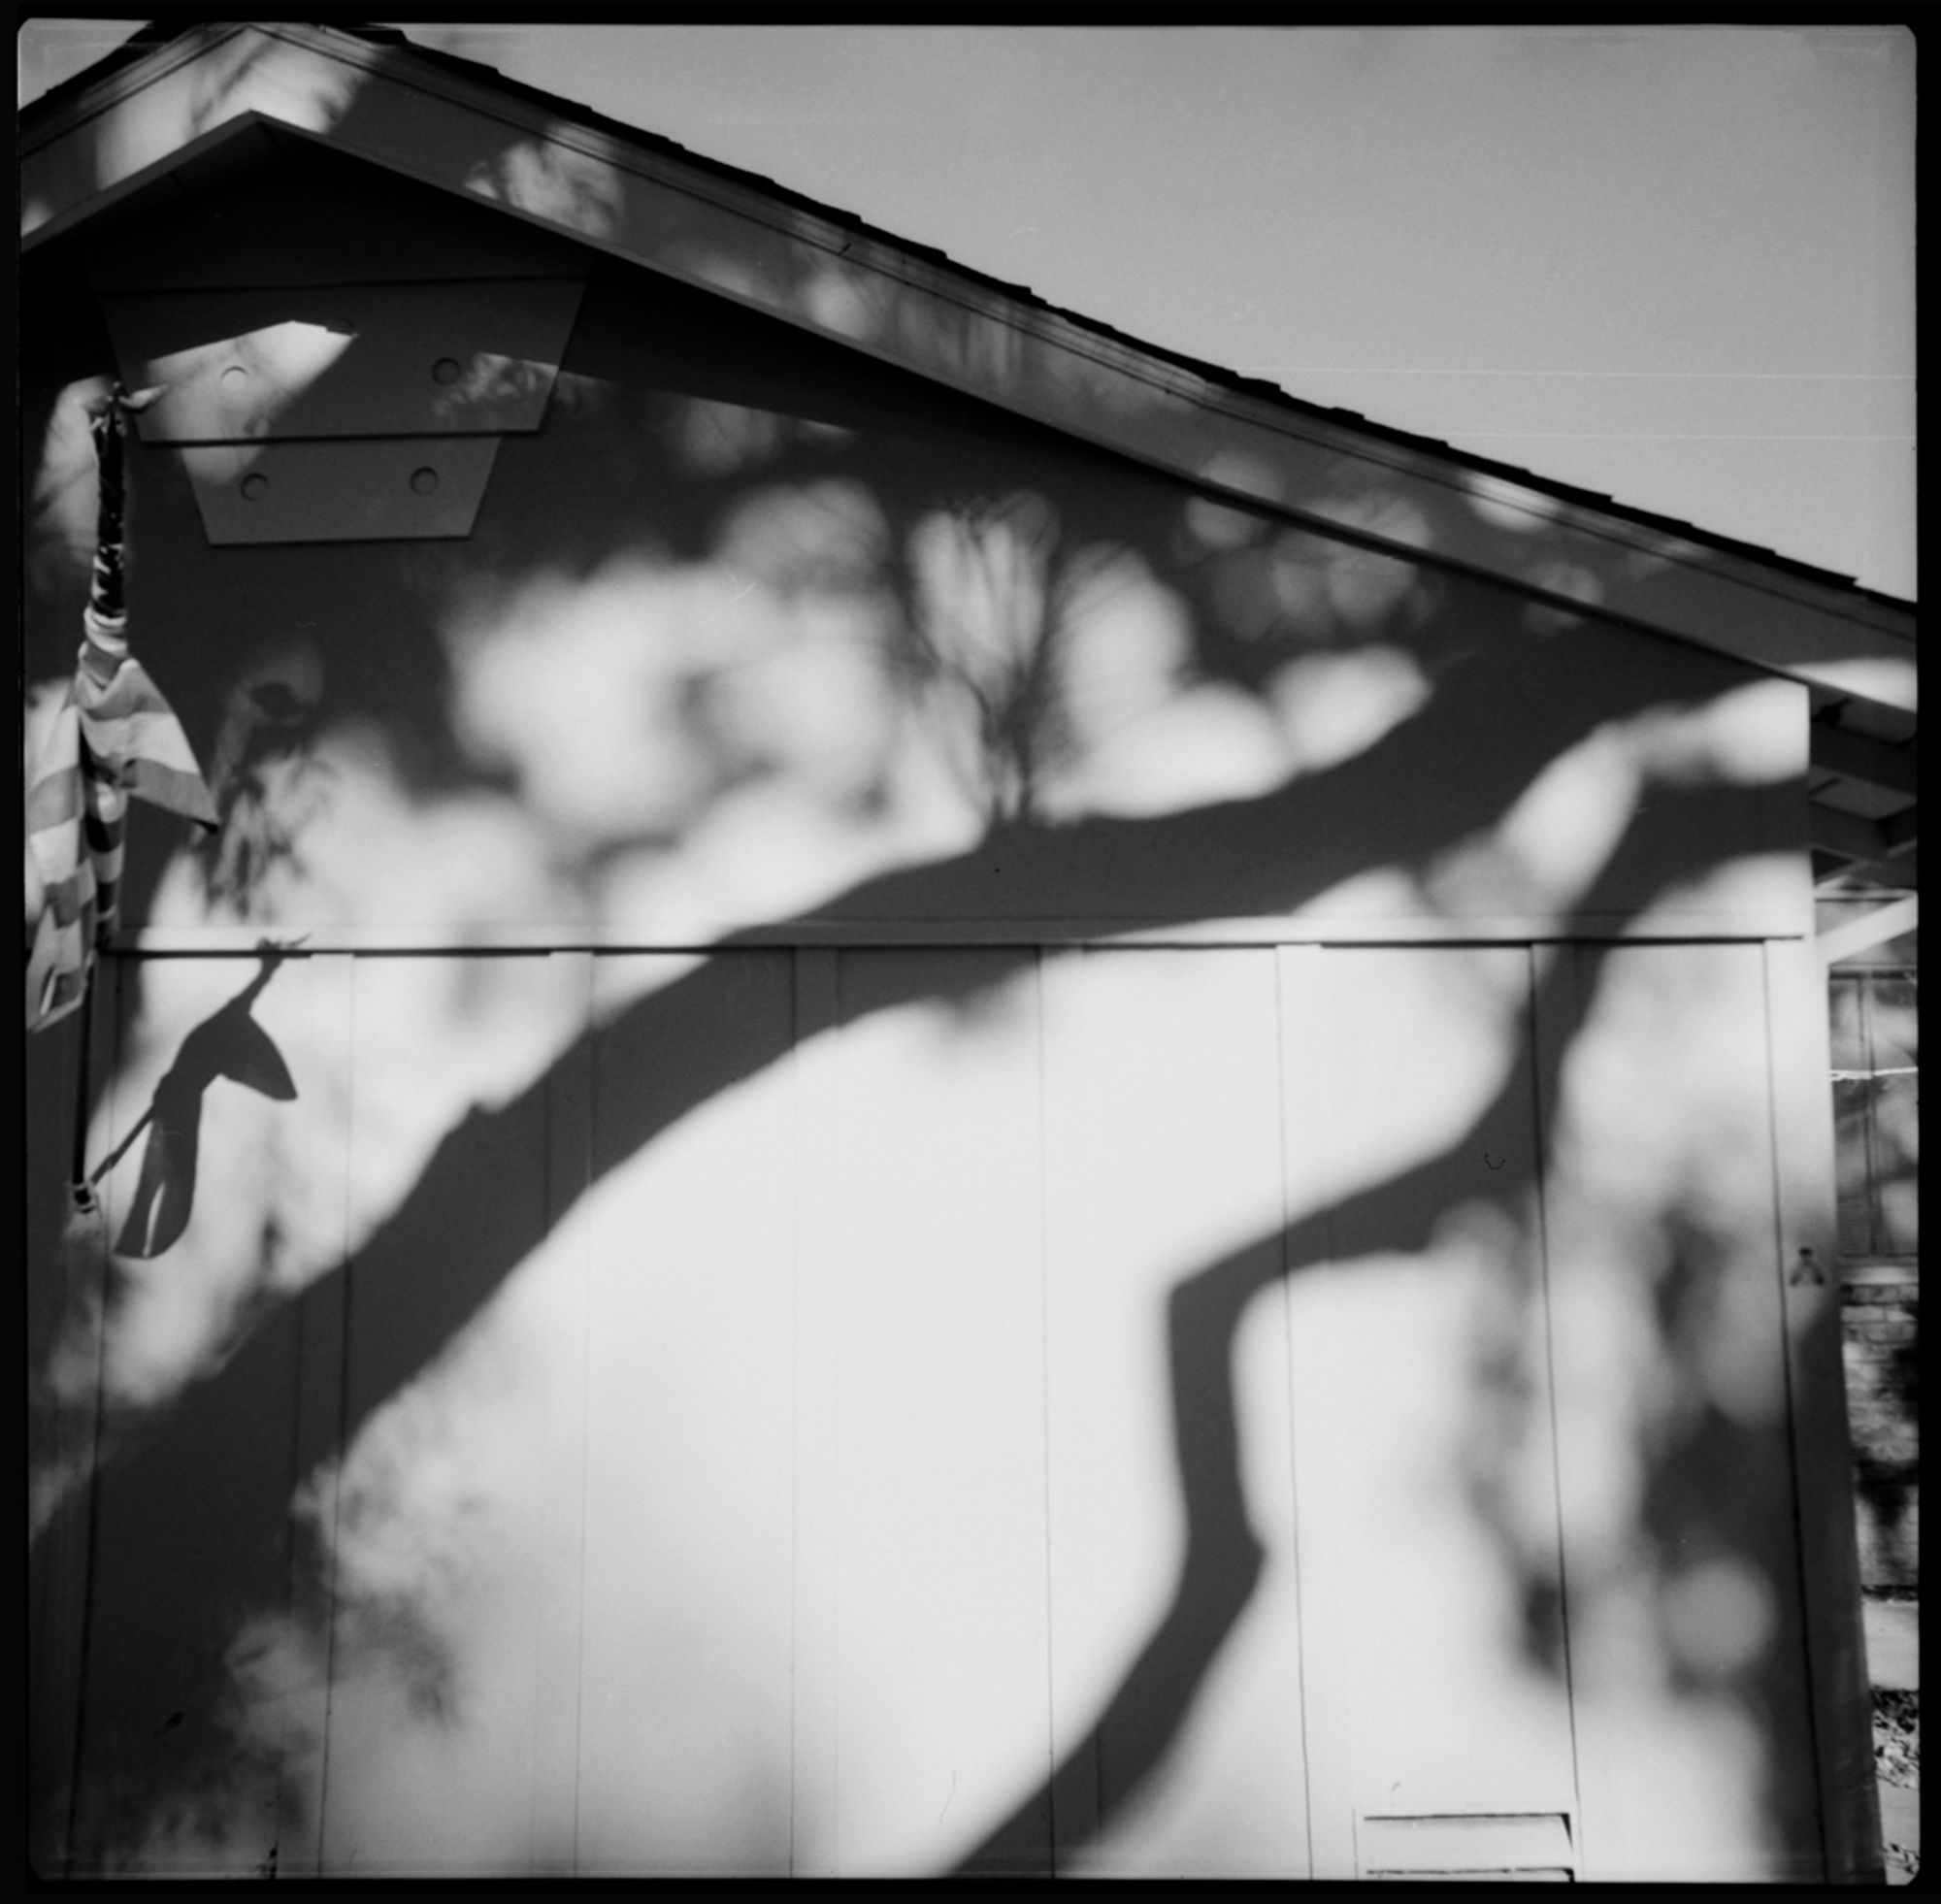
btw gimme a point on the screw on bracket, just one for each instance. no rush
(1807, 1269)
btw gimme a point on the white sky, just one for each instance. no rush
(1671, 264)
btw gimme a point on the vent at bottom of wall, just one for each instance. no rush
(1500, 1847)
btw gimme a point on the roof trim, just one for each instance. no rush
(642, 199)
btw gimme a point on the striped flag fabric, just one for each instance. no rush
(115, 738)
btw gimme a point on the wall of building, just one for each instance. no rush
(892, 1021)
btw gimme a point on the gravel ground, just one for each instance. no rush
(1897, 1764)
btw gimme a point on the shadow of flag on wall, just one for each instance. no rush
(228, 1043)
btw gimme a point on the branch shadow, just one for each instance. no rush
(208, 1536)
(1138, 1728)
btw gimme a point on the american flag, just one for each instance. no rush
(113, 739)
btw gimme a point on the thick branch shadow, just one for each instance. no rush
(1137, 1729)
(198, 1511)
(203, 1520)
(208, 1532)
(187, 1503)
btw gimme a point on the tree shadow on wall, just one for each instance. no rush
(1717, 1480)
(195, 1532)
(208, 1536)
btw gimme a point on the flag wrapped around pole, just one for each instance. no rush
(113, 739)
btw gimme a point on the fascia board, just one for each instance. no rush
(686, 221)
(113, 89)
(146, 119)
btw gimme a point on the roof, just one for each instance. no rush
(456, 123)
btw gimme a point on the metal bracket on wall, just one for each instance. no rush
(360, 413)
(358, 490)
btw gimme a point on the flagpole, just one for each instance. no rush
(104, 594)
(104, 590)
(103, 598)
(79, 1176)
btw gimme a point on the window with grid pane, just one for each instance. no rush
(1876, 1109)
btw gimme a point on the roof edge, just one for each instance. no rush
(824, 270)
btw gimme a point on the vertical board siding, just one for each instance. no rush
(1818, 1411)
(1680, 1516)
(158, 1775)
(436, 1561)
(320, 1051)
(941, 1601)
(1170, 1412)
(1163, 1199)
(65, 1341)
(815, 1761)
(1428, 1515)
(561, 1452)
(686, 1245)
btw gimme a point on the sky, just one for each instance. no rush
(1673, 265)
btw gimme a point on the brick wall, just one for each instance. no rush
(1880, 1319)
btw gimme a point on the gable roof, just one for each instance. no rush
(177, 111)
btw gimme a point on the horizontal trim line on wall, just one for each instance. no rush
(862, 933)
